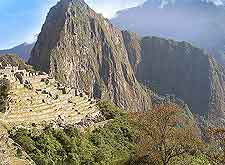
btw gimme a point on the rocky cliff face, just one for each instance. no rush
(172, 67)
(83, 49)
(133, 45)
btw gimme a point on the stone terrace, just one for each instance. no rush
(46, 101)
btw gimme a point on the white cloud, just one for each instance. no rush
(216, 2)
(109, 7)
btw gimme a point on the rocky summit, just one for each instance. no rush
(81, 48)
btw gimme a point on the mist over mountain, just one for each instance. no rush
(196, 21)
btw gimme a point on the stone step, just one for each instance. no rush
(72, 116)
(25, 92)
(18, 86)
(45, 111)
(64, 100)
(21, 113)
(38, 109)
(39, 96)
(51, 115)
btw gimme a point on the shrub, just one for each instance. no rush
(4, 90)
(113, 142)
(4, 87)
(109, 110)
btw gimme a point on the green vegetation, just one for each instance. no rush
(166, 134)
(110, 111)
(109, 144)
(163, 136)
(4, 90)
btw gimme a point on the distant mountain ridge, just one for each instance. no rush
(171, 67)
(200, 22)
(23, 50)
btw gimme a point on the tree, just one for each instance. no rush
(164, 134)
(216, 146)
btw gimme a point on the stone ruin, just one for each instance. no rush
(12, 73)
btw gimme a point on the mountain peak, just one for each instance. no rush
(79, 3)
(81, 49)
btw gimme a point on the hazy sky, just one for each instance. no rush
(22, 19)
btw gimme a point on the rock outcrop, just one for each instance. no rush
(81, 48)
(171, 67)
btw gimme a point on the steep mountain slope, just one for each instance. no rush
(196, 21)
(178, 68)
(23, 51)
(133, 46)
(83, 49)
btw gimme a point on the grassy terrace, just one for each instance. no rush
(30, 106)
